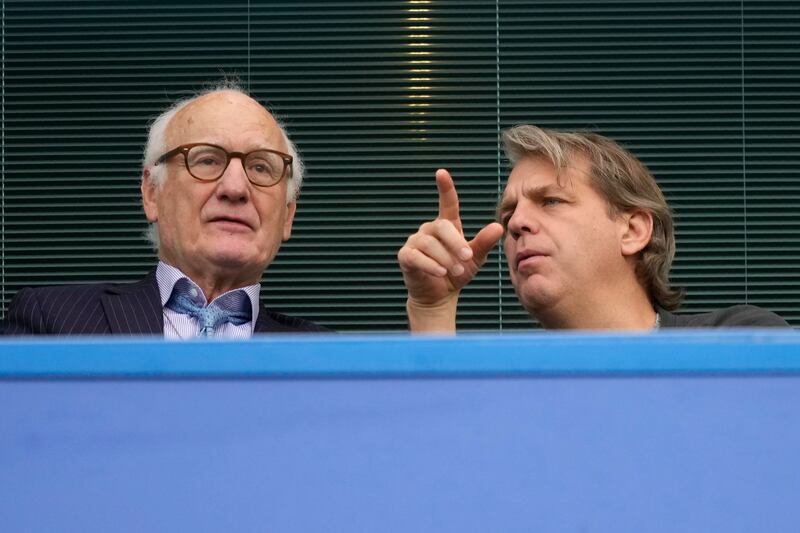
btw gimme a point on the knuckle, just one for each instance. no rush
(409, 257)
(427, 242)
(427, 227)
(442, 225)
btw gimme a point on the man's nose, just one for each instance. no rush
(234, 184)
(524, 219)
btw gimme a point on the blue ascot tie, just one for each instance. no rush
(233, 307)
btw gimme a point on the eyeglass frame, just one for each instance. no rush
(184, 149)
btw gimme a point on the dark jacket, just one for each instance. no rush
(738, 316)
(112, 309)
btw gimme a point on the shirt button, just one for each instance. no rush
(193, 292)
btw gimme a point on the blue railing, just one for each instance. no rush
(705, 351)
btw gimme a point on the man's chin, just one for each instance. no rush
(232, 261)
(535, 296)
(233, 258)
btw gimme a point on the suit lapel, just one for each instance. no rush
(265, 323)
(134, 309)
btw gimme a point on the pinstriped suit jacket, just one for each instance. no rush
(112, 309)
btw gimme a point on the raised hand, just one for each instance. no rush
(437, 261)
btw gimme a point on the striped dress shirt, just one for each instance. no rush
(180, 326)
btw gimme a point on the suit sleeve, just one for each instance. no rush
(24, 315)
(750, 316)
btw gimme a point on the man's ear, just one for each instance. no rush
(291, 207)
(636, 231)
(150, 192)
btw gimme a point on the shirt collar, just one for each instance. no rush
(167, 276)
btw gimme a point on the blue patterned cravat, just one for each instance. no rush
(233, 307)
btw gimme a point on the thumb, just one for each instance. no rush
(484, 241)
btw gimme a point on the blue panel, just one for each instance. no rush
(759, 351)
(463, 455)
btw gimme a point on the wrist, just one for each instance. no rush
(438, 317)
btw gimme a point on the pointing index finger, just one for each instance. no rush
(448, 197)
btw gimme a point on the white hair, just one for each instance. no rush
(157, 145)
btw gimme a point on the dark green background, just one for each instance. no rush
(378, 94)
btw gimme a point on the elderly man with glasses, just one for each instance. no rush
(219, 188)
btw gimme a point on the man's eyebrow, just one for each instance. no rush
(531, 193)
(542, 191)
(505, 204)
